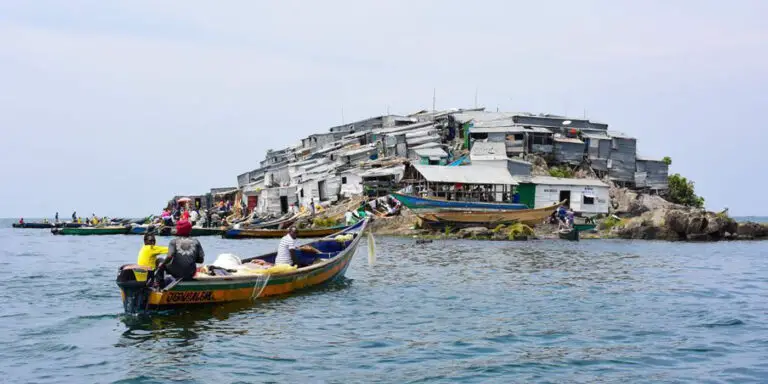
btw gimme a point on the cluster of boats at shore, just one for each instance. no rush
(275, 229)
(255, 277)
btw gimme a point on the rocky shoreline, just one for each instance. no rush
(635, 216)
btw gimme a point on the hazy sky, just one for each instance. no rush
(113, 107)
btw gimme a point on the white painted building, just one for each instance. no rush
(586, 196)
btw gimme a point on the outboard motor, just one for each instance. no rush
(132, 280)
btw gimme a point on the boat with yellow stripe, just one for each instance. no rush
(246, 283)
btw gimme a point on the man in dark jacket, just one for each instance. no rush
(184, 253)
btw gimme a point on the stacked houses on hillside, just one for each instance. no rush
(376, 155)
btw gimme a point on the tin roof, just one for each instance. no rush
(485, 128)
(549, 180)
(431, 152)
(488, 151)
(468, 174)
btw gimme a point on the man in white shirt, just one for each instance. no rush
(286, 250)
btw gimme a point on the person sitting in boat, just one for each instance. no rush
(21, 221)
(286, 250)
(184, 253)
(148, 253)
(166, 217)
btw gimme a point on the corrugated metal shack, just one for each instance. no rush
(568, 150)
(489, 153)
(469, 183)
(651, 174)
(621, 163)
(598, 148)
(382, 181)
(372, 123)
(432, 156)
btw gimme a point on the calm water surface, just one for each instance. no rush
(448, 311)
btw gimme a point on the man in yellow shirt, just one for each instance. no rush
(148, 253)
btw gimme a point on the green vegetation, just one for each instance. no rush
(563, 172)
(667, 160)
(610, 222)
(324, 222)
(517, 230)
(681, 191)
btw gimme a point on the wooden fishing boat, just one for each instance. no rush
(169, 231)
(83, 231)
(529, 217)
(33, 225)
(273, 233)
(330, 265)
(431, 204)
(279, 223)
(569, 234)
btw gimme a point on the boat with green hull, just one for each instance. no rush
(88, 231)
(584, 227)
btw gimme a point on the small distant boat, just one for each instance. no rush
(431, 204)
(248, 284)
(273, 233)
(85, 231)
(33, 225)
(529, 217)
(569, 234)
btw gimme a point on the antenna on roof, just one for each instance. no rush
(475, 97)
(342, 114)
(434, 95)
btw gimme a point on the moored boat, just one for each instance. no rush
(529, 217)
(431, 204)
(169, 231)
(584, 227)
(569, 234)
(33, 225)
(83, 231)
(245, 283)
(273, 233)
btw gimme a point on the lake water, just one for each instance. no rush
(448, 311)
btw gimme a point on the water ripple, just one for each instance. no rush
(448, 311)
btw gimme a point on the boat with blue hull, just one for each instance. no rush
(431, 204)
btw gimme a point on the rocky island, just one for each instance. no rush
(533, 160)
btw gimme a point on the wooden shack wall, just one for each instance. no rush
(622, 164)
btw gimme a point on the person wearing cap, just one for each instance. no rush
(148, 253)
(184, 253)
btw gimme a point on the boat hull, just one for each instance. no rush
(87, 231)
(529, 217)
(137, 297)
(430, 204)
(584, 227)
(571, 235)
(33, 225)
(168, 231)
(274, 233)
